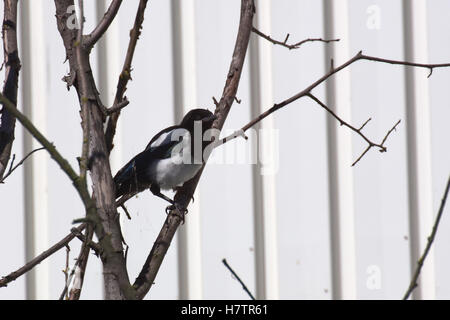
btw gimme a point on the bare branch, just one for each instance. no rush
(371, 144)
(103, 25)
(388, 133)
(290, 46)
(118, 107)
(413, 283)
(125, 75)
(85, 118)
(364, 124)
(216, 103)
(332, 71)
(12, 62)
(224, 261)
(11, 170)
(381, 146)
(184, 195)
(30, 265)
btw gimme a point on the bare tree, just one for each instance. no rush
(101, 215)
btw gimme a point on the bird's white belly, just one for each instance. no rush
(169, 174)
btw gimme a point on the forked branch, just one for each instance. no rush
(342, 122)
(91, 39)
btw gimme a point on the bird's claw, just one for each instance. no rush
(179, 209)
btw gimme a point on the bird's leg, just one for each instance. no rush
(157, 192)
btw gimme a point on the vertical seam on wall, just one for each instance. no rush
(264, 192)
(342, 224)
(35, 178)
(185, 93)
(418, 144)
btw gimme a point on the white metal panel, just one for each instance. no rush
(439, 51)
(340, 155)
(264, 172)
(226, 183)
(184, 55)
(380, 179)
(35, 182)
(419, 139)
(302, 179)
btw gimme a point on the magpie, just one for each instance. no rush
(168, 160)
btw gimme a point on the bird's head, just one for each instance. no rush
(205, 116)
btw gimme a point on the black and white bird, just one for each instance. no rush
(169, 159)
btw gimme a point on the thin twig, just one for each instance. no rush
(290, 46)
(31, 264)
(94, 246)
(238, 279)
(80, 267)
(413, 283)
(66, 274)
(18, 164)
(67, 284)
(381, 145)
(371, 144)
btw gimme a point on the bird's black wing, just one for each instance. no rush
(131, 177)
(161, 145)
(134, 177)
(160, 135)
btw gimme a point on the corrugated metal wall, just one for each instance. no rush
(311, 226)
